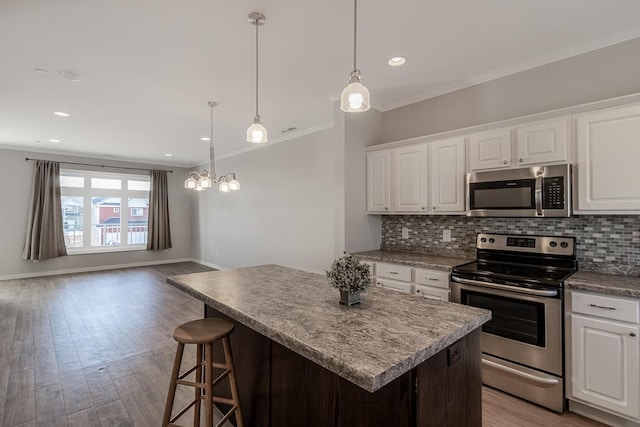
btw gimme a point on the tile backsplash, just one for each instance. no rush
(605, 243)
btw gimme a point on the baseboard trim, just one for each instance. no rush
(599, 415)
(98, 268)
(209, 264)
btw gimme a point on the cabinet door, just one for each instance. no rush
(410, 178)
(490, 150)
(542, 142)
(378, 181)
(608, 150)
(605, 364)
(446, 174)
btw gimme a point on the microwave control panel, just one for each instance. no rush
(553, 193)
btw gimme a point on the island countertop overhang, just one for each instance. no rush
(369, 344)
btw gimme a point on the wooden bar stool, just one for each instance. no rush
(203, 333)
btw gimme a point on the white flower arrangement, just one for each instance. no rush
(349, 274)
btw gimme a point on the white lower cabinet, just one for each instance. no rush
(604, 348)
(427, 283)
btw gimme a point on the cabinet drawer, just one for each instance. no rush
(606, 307)
(436, 278)
(394, 272)
(395, 286)
(432, 293)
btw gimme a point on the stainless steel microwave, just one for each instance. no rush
(538, 191)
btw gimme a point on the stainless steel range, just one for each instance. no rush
(520, 279)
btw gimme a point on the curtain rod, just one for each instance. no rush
(103, 166)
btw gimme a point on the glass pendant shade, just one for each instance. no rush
(205, 181)
(234, 185)
(190, 183)
(257, 133)
(198, 188)
(355, 97)
(224, 187)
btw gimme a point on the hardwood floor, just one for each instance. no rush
(95, 349)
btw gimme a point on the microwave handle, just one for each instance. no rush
(538, 193)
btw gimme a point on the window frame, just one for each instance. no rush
(88, 193)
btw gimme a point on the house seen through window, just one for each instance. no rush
(103, 211)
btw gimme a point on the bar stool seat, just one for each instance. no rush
(203, 333)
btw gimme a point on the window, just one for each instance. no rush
(95, 207)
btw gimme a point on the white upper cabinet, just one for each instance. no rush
(608, 149)
(410, 183)
(379, 181)
(447, 171)
(490, 150)
(542, 142)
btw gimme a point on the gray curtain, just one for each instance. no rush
(45, 234)
(159, 236)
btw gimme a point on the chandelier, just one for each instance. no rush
(208, 179)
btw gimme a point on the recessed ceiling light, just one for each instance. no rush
(168, 155)
(204, 138)
(71, 76)
(61, 114)
(397, 61)
(54, 140)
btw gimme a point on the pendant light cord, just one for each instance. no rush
(257, 24)
(355, 32)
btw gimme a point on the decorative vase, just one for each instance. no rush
(347, 298)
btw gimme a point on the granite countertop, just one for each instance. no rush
(369, 344)
(433, 262)
(616, 284)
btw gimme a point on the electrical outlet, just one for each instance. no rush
(405, 233)
(446, 235)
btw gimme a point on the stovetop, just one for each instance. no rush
(521, 260)
(514, 273)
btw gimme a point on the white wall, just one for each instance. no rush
(284, 212)
(15, 196)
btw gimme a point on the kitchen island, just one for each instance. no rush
(304, 359)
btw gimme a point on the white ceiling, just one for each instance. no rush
(147, 68)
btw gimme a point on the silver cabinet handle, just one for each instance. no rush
(435, 207)
(392, 272)
(602, 306)
(386, 208)
(504, 162)
(632, 334)
(433, 278)
(520, 160)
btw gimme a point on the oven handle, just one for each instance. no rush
(537, 292)
(545, 382)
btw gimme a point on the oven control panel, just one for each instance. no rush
(554, 245)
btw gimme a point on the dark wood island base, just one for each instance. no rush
(278, 387)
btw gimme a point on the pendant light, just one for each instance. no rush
(355, 97)
(208, 179)
(256, 132)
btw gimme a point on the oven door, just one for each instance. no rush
(526, 324)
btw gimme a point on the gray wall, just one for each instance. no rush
(597, 75)
(362, 231)
(284, 213)
(15, 193)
